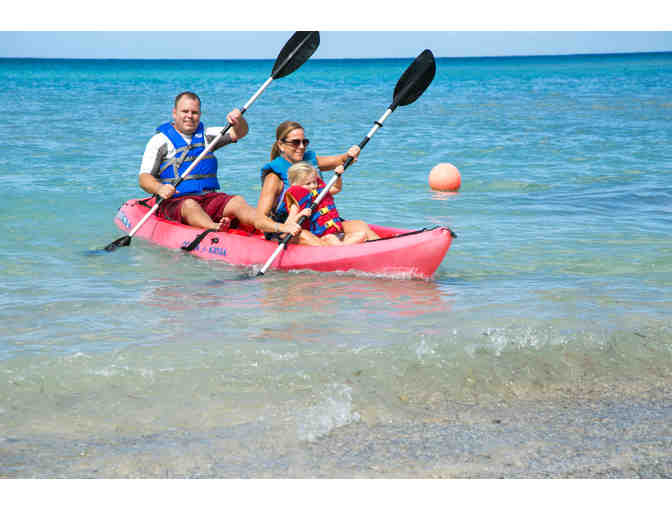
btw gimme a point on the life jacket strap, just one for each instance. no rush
(176, 163)
(188, 178)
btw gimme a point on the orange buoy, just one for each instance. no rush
(445, 177)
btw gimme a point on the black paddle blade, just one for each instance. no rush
(415, 79)
(295, 52)
(122, 241)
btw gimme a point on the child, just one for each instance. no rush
(325, 222)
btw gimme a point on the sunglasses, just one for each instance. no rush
(296, 143)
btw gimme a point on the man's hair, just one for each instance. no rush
(190, 95)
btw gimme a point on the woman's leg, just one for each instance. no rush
(354, 238)
(353, 226)
(236, 207)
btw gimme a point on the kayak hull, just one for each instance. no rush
(414, 254)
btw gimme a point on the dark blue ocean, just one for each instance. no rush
(550, 314)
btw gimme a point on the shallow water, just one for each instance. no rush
(148, 362)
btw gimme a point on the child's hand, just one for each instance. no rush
(297, 216)
(339, 170)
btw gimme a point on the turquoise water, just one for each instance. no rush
(557, 285)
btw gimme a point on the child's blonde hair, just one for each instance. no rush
(299, 170)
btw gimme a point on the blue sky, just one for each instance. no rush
(350, 28)
(334, 44)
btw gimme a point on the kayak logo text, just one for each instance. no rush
(124, 220)
(215, 250)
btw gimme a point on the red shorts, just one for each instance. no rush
(212, 203)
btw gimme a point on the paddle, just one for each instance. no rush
(293, 55)
(410, 86)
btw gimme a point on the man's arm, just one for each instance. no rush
(155, 152)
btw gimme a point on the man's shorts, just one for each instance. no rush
(212, 203)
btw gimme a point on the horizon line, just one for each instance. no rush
(531, 55)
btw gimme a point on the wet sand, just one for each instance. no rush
(607, 437)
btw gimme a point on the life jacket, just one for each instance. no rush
(325, 218)
(279, 166)
(201, 178)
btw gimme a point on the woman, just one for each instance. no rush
(291, 147)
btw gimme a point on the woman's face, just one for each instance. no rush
(294, 145)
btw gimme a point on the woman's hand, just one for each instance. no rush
(290, 227)
(292, 224)
(339, 170)
(353, 152)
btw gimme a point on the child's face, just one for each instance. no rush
(309, 181)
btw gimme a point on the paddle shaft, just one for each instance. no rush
(376, 126)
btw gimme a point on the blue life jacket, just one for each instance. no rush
(201, 178)
(279, 166)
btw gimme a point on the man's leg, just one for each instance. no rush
(194, 215)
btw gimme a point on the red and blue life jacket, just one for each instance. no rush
(325, 218)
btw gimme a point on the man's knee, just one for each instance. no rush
(188, 205)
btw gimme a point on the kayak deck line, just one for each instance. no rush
(413, 232)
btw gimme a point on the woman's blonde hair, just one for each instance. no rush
(280, 133)
(299, 170)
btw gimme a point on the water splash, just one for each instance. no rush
(333, 411)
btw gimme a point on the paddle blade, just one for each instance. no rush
(295, 52)
(415, 79)
(122, 241)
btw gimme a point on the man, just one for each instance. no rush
(196, 202)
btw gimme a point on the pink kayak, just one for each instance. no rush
(414, 254)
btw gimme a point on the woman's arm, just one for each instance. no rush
(271, 188)
(331, 162)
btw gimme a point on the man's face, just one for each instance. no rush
(187, 115)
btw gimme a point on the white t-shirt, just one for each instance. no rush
(160, 148)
